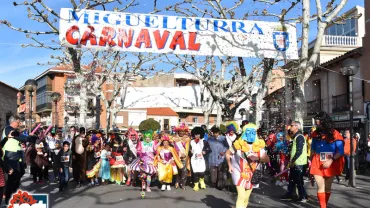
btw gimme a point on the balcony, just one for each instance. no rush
(340, 103)
(45, 88)
(44, 107)
(313, 107)
(342, 41)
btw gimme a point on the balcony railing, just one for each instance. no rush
(340, 103)
(44, 107)
(331, 40)
(314, 106)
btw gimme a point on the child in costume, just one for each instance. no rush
(93, 160)
(327, 150)
(231, 129)
(146, 151)
(104, 171)
(281, 151)
(64, 163)
(41, 161)
(166, 161)
(243, 158)
(117, 164)
(199, 149)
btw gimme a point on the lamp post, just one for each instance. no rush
(75, 112)
(30, 86)
(349, 68)
(55, 97)
(97, 110)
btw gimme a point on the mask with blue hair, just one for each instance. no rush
(280, 134)
(249, 133)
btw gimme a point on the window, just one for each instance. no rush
(346, 29)
(195, 119)
(119, 120)
(41, 82)
(44, 97)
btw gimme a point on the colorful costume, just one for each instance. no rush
(199, 149)
(144, 163)
(93, 158)
(119, 164)
(243, 168)
(327, 144)
(281, 150)
(145, 154)
(231, 129)
(104, 171)
(323, 150)
(182, 146)
(166, 161)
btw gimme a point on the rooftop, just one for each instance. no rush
(161, 112)
(8, 86)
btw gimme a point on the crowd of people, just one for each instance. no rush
(183, 158)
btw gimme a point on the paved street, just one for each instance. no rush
(267, 196)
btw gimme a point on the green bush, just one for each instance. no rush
(149, 124)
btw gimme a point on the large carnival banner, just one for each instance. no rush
(179, 35)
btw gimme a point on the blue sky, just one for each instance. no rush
(18, 64)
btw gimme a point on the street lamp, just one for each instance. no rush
(349, 68)
(30, 86)
(75, 112)
(55, 97)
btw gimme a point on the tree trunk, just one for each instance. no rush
(257, 112)
(108, 118)
(219, 115)
(299, 103)
(83, 104)
(206, 118)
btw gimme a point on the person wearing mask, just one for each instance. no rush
(327, 151)
(243, 158)
(298, 161)
(218, 146)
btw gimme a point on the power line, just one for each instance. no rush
(368, 81)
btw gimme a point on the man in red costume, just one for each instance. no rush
(327, 151)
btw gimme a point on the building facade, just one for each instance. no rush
(327, 89)
(8, 105)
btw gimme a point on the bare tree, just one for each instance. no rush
(225, 78)
(118, 77)
(82, 62)
(301, 70)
